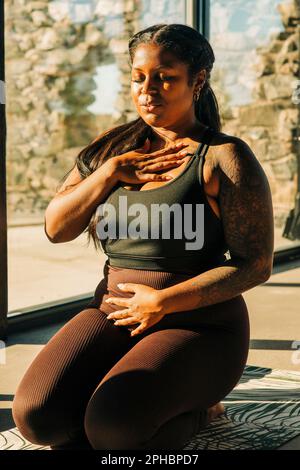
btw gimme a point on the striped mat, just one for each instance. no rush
(262, 412)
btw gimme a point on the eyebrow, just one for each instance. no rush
(168, 65)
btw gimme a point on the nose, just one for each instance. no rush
(149, 86)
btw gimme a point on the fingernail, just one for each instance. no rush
(168, 177)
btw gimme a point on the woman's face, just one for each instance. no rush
(159, 87)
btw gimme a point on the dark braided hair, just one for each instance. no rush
(191, 48)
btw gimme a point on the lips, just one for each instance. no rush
(152, 109)
(151, 106)
(150, 103)
(153, 103)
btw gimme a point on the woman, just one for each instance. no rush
(146, 364)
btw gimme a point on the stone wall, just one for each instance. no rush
(52, 52)
(51, 62)
(49, 84)
(269, 124)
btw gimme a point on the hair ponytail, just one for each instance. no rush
(207, 108)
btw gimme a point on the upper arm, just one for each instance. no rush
(74, 176)
(246, 207)
(72, 180)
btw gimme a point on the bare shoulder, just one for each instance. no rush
(224, 146)
(219, 155)
(229, 152)
(231, 157)
(73, 179)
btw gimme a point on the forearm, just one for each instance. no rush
(216, 285)
(68, 214)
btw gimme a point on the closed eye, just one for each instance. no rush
(163, 79)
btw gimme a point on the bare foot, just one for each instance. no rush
(215, 411)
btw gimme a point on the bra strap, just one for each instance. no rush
(208, 131)
(202, 153)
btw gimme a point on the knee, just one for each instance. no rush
(28, 420)
(115, 424)
(33, 422)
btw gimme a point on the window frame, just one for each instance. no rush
(3, 208)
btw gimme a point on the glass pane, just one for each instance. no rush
(67, 80)
(256, 80)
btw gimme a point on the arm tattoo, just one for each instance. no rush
(246, 208)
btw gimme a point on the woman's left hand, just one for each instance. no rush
(144, 307)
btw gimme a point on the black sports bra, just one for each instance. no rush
(169, 228)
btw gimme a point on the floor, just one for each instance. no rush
(41, 272)
(273, 309)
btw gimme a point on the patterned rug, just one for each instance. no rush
(262, 412)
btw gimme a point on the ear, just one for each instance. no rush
(200, 79)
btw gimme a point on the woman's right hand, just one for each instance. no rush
(139, 166)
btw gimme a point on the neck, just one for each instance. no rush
(178, 131)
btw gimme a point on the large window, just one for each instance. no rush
(67, 79)
(256, 79)
(67, 74)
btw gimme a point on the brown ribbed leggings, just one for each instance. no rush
(93, 386)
